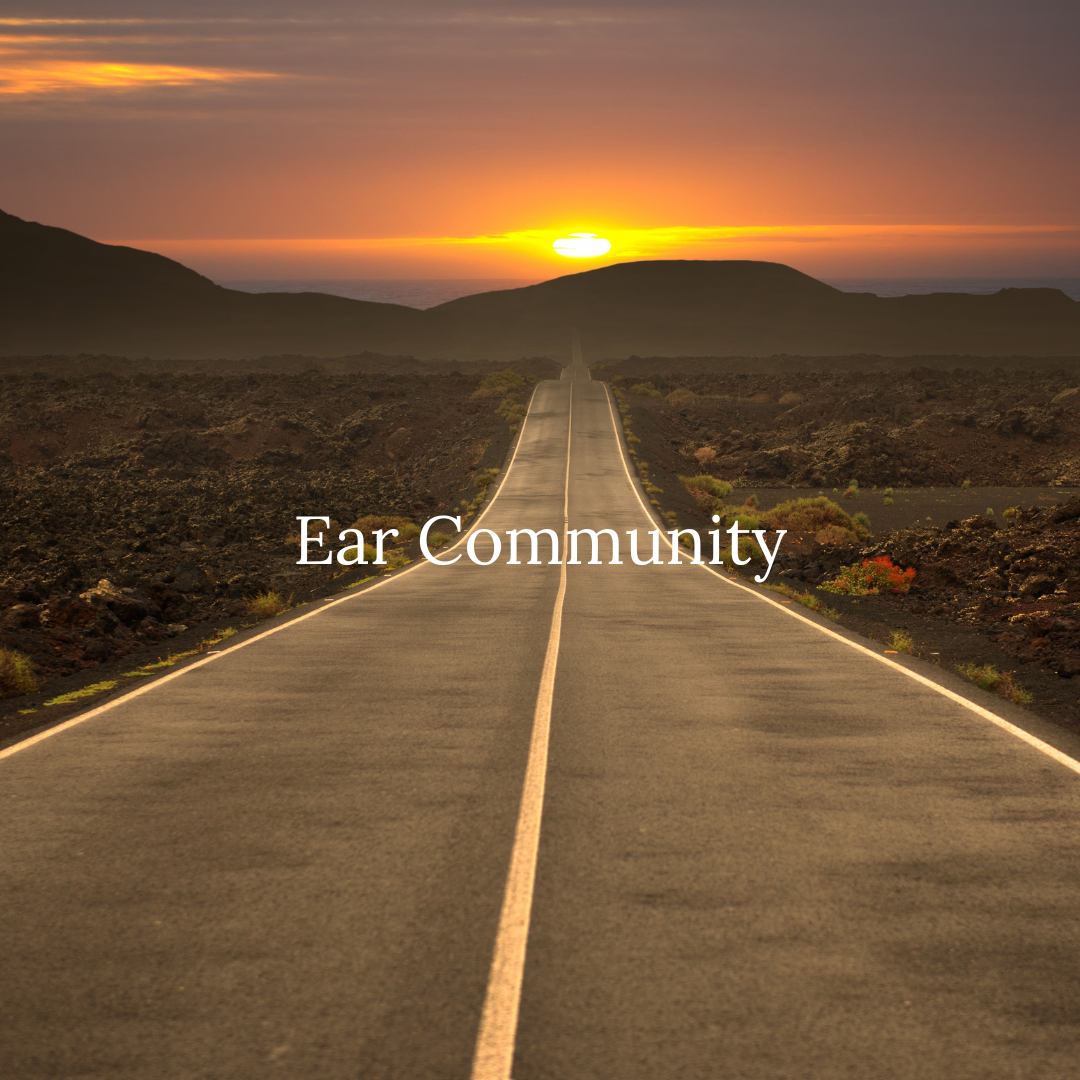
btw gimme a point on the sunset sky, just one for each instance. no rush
(431, 138)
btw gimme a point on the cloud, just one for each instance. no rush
(28, 76)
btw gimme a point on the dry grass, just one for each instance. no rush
(218, 638)
(998, 682)
(149, 669)
(17, 674)
(266, 605)
(85, 692)
(645, 389)
(806, 599)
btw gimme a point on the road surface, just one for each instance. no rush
(764, 853)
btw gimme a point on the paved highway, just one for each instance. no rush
(764, 853)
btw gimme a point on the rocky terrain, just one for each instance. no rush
(997, 591)
(927, 422)
(141, 500)
(1004, 592)
(146, 503)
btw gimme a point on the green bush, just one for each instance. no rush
(266, 605)
(998, 682)
(645, 389)
(17, 674)
(511, 409)
(499, 379)
(812, 516)
(718, 489)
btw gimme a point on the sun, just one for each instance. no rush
(582, 245)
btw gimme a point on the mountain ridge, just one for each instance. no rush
(64, 294)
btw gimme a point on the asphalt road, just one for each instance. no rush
(764, 854)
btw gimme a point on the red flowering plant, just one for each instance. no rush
(871, 576)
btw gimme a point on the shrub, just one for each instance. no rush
(708, 485)
(811, 516)
(645, 389)
(888, 493)
(682, 396)
(888, 501)
(861, 519)
(999, 682)
(511, 409)
(481, 480)
(851, 493)
(835, 534)
(265, 605)
(747, 548)
(966, 484)
(871, 576)
(436, 540)
(901, 641)
(506, 378)
(745, 515)
(17, 674)
(369, 523)
(745, 519)
(704, 455)
(989, 511)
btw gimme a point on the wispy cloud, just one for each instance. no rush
(26, 76)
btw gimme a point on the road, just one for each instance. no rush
(764, 853)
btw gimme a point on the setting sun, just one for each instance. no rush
(582, 245)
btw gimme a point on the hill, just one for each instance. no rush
(63, 294)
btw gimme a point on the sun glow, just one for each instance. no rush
(582, 245)
(815, 249)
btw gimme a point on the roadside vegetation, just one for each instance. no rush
(997, 682)
(828, 522)
(266, 605)
(871, 576)
(17, 674)
(808, 600)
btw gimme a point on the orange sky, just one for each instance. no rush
(436, 139)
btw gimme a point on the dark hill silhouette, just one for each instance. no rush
(63, 294)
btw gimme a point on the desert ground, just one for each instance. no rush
(150, 504)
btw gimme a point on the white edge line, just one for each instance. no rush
(986, 714)
(494, 1054)
(326, 605)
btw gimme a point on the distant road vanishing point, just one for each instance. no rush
(578, 822)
